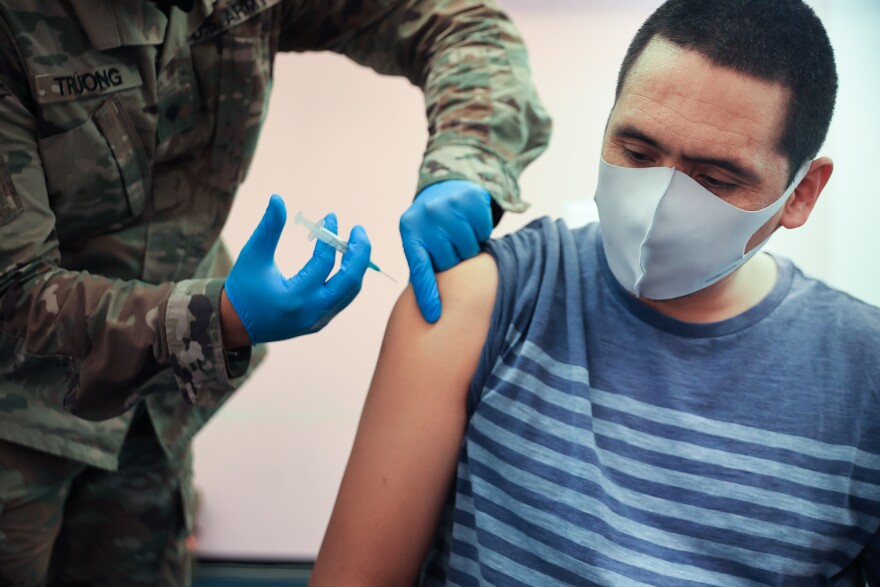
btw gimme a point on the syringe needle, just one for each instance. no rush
(375, 267)
(388, 276)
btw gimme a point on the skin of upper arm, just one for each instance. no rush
(406, 449)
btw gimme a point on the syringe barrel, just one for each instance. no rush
(332, 240)
(318, 231)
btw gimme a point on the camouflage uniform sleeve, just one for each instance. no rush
(79, 340)
(485, 121)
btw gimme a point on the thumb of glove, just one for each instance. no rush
(262, 243)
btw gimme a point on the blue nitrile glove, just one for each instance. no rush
(274, 307)
(444, 226)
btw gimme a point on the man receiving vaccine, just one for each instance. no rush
(650, 400)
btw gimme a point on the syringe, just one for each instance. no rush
(322, 234)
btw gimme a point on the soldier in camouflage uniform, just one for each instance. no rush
(126, 127)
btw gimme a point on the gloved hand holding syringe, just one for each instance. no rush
(259, 302)
(317, 230)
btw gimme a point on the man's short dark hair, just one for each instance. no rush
(780, 41)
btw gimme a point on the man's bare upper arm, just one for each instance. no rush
(405, 452)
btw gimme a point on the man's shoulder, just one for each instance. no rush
(470, 286)
(508, 278)
(546, 228)
(542, 242)
(832, 309)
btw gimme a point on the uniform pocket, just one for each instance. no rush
(97, 174)
(245, 84)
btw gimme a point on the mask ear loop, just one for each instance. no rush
(779, 204)
(648, 234)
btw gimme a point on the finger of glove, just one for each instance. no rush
(440, 249)
(421, 275)
(354, 265)
(331, 224)
(331, 313)
(478, 211)
(317, 269)
(462, 235)
(264, 240)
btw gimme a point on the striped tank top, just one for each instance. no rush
(611, 445)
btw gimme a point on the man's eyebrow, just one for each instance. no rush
(631, 132)
(747, 175)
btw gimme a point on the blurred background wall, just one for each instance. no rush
(341, 138)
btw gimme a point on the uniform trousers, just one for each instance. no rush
(66, 523)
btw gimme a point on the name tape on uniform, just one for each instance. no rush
(227, 17)
(74, 85)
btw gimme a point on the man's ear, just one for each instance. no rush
(801, 202)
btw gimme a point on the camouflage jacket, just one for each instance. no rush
(124, 134)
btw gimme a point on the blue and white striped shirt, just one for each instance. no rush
(608, 444)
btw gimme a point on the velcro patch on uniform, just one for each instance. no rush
(229, 15)
(76, 85)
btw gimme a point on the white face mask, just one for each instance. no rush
(667, 236)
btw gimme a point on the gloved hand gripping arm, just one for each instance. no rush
(444, 226)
